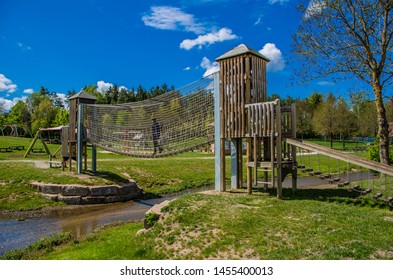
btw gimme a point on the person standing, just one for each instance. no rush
(156, 133)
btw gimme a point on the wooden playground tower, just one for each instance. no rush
(243, 113)
(74, 140)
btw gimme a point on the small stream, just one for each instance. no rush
(81, 220)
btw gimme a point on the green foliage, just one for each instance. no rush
(373, 152)
(19, 114)
(43, 115)
(62, 117)
(151, 218)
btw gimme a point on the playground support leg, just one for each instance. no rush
(219, 144)
(249, 171)
(240, 163)
(293, 147)
(236, 163)
(93, 158)
(279, 150)
(80, 141)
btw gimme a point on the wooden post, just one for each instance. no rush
(279, 149)
(293, 148)
(93, 158)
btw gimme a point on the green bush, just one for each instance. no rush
(373, 152)
(151, 218)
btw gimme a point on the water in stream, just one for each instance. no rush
(78, 220)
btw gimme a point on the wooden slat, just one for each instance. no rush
(242, 95)
(239, 94)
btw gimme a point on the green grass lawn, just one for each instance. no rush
(350, 145)
(240, 226)
(154, 176)
(312, 224)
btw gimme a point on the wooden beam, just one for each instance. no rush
(369, 164)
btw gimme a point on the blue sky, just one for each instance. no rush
(67, 44)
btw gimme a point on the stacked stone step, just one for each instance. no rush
(78, 194)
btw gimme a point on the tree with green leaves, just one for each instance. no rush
(346, 122)
(365, 114)
(325, 118)
(62, 117)
(20, 115)
(43, 115)
(349, 39)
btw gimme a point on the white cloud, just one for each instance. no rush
(23, 47)
(7, 85)
(63, 98)
(122, 87)
(209, 66)
(278, 1)
(28, 91)
(103, 87)
(277, 62)
(172, 18)
(325, 83)
(258, 21)
(7, 104)
(188, 68)
(314, 7)
(223, 34)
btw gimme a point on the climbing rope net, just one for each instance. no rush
(177, 121)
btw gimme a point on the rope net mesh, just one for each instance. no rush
(177, 121)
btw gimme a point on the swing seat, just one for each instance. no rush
(301, 166)
(377, 196)
(308, 170)
(316, 173)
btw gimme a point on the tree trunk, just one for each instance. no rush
(331, 141)
(383, 126)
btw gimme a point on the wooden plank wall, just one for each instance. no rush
(243, 81)
(73, 119)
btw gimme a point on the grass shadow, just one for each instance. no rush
(338, 195)
(109, 176)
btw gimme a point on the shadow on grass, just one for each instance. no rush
(337, 195)
(109, 176)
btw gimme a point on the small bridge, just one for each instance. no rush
(229, 105)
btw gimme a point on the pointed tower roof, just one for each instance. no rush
(82, 95)
(239, 50)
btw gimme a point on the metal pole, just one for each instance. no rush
(234, 163)
(217, 137)
(80, 139)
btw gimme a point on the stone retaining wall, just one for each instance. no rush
(78, 194)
